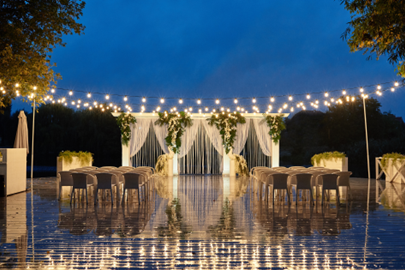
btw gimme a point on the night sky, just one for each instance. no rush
(217, 49)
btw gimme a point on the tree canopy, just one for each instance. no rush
(29, 31)
(377, 27)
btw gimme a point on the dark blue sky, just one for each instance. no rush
(204, 49)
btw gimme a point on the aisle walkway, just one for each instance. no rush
(203, 222)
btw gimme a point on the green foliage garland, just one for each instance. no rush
(276, 125)
(226, 124)
(177, 122)
(124, 122)
(84, 157)
(316, 159)
(395, 158)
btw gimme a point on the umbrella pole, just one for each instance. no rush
(32, 186)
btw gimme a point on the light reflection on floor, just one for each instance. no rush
(203, 222)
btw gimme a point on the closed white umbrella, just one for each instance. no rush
(21, 138)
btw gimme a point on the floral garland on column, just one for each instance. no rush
(177, 122)
(124, 122)
(226, 124)
(162, 165)
(276, 125)
(241, 166)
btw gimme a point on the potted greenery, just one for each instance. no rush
(1, 156)
(331, 160)
(68, 160)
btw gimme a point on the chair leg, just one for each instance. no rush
(273, 197)
(96, 196)
(112, 196)
(288, 197)
(72, 194)
(123, 196)
(312, 198)
(60, 191)
(337, 195)
(139, 195)
(296, 196)
(322, 195)
(87, 199)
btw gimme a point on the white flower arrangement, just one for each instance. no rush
(162, 165)
(241, 166)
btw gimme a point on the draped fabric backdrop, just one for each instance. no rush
(201, 150)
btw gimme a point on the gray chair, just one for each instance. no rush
(107, 181)
(80, 181)
(65, 180)
(132, 181)
(328, 182)
(279, 181)
(344, 181)
(303, 181)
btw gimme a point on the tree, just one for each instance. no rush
(29, 31)
(377, 27)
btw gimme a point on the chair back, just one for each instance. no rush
(315, 175)
(90, 167)
(316, 168)
(278, 168)
(304, 180)
(105, 180)
(108, 167)
(344, 178)
(279, 180)
(66, 178)
(297, 167)
(79, 180)
(126, 167)
(329, 181)
(132, 180)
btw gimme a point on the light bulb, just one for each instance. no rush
(292, 109)
(254, 100)
(181, 101)
(290, 98)
(107, 96)
(162, 100)
(125, 98)
(35, 88)
(235, 101)
(392, 89)
(396, 84)
(190, 109)
(344, 92)
(89, 95)
(206, 109)
(198, 101)
(17, 85)
(378, 87)
(361, 90)
(217, 101)
(326, 94)
(308, 96)
(144, 99)
(272, 99)
(70, 93)
(52, 90)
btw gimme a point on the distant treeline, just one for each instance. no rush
(341, 128)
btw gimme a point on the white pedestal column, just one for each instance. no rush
(226, 164)
(125, 159)
(275, 154)
(175, 168)
(226, 189)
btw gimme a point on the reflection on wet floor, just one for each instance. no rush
(203, 222)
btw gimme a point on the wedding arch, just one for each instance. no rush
(201, 143)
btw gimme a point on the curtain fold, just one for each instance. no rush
(189, 137)
(214, 136)
(262, 133)
(161, 133)
(242, 132)
(139, 131)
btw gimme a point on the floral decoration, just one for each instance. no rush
(177, 122)
(276, 125)
(241, 166)
(226, 124)
(124, 122)
(162, 165)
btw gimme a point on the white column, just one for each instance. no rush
(275, 154)
(226, 191)
(125, 159)
(226, 161)
(175, 168)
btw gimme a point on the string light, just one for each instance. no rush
(361, 90)
(392, 89)
(290, 98)
(162, 100)
(88, 94)
(125, 98)
(308, 96)
(378, 87)
(198, 101)
(396, 84)
(107, 97)
(181, 101)
(70, 93)
(326, 94)
(235, 101)
(17, 85)
(344, 92)
(52, 90)
(217, 101)
(143, 99)
(272, 99)
(254, 100)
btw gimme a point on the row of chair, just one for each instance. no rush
(106, 178)
(302, 179)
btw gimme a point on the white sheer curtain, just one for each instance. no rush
(262, 133)
(139, 131)
(214, 135)
(161, 134)
(242, 132)
(189, 137)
